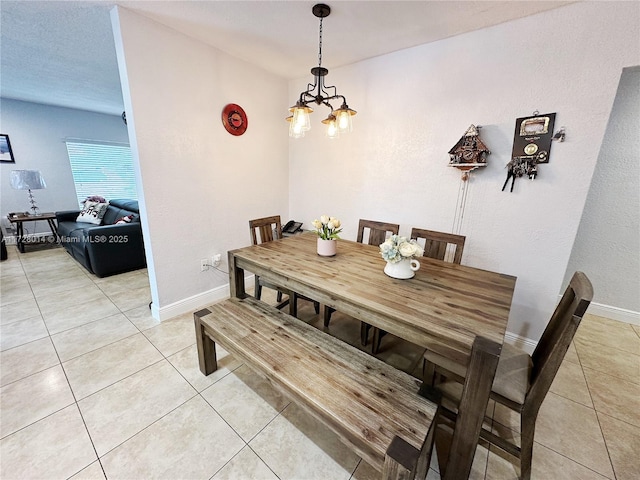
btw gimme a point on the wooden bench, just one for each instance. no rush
(372, 407)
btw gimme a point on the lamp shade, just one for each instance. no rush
(27, 180)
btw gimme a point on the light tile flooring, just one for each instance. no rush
(93, 387)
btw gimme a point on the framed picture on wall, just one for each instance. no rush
(6, 154)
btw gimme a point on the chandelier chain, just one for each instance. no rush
(320, 46)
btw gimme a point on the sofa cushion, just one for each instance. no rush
(92, 212)
(121, 208)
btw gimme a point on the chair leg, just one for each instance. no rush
(293, 304)
(428, 372)
(316, 307)
(327, 315)
(375, 342)
(258, 288)
(278, 296)
(527, 427)
(364, 333)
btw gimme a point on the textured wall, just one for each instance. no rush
(198, 184)
(607, 247)
(413, 106)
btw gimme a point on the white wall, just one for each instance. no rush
(199, 185)
(413, 106)
(37, 133)
(609, 232)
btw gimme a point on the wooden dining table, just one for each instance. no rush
(442, 308)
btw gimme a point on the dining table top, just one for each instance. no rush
(442, 308)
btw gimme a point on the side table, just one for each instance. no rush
(20, 218)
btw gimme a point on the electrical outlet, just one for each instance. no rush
(216, 259)
(204, 265)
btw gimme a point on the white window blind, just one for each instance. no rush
(103, 169)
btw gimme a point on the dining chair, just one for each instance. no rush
(436, 245)
(376, 234)
(457, 437)
(522, 380)
(265, 230)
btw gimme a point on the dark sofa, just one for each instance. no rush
(108, 248)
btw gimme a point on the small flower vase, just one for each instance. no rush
(326, 248)
(404, 269)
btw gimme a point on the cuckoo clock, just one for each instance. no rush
(469, 153)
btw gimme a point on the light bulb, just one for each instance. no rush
(301, 118)
(344, 120)
(296, 130)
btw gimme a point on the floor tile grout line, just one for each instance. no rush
(102, 346)
(60, 363)
(146, 427)
(120, 380)
(36, 421)
(606, 445)
(262, 460)
(86, 427)
(572, 460)
(231, 459)
(616, 377)
(600, 344)
(278, 413)
(73, 394)
(633, 425)
(583, 366)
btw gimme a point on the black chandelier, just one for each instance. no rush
(338, 121)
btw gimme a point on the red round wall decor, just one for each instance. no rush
(234, 119)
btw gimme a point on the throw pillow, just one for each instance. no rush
(92, 212)
(95, 198)
(126, 219)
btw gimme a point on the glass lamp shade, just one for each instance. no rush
(332, 126)
(300, 122)
(344, 114)
(27, 180)
(295, 131)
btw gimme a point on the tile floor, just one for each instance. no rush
(92, 387)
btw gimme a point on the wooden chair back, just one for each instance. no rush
(557, 337)
(266, 227)
(436, 243)
(457, 436)
(377, 231)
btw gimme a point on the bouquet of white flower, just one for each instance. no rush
(327, 227)
(398, 248)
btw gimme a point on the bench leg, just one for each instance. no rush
(400, 460)
(206, 347)
(405, 462)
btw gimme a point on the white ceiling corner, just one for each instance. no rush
(62, 52)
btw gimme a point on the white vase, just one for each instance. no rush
(403, 269)
(326, 248)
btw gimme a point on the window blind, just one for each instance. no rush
(103, 169)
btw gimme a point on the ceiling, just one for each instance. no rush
(62, 52)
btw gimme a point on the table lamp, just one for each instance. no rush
(28, 180)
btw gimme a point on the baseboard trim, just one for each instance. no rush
(194, 303)
(523, 343)
(614, 313)
(190, 304)
(598, 309)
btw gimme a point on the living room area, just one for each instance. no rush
(100, 373)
